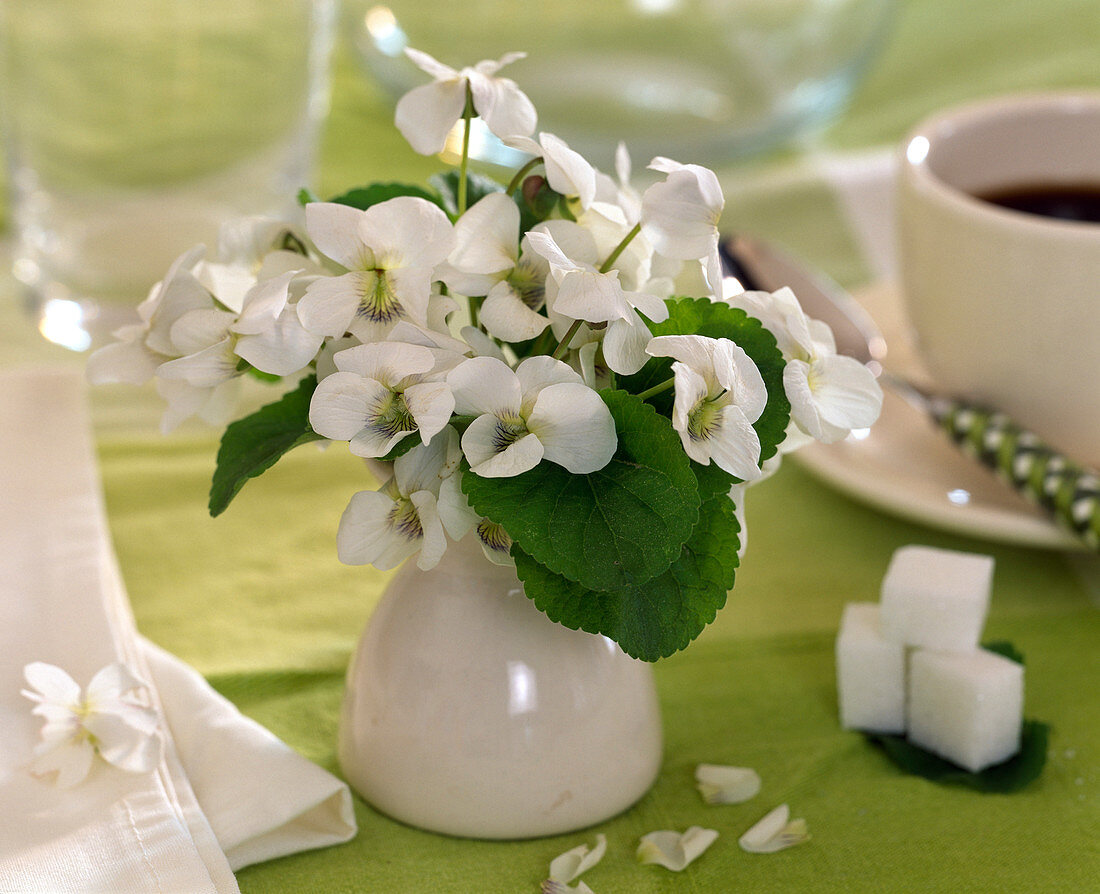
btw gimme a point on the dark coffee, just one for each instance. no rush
(1071, 202)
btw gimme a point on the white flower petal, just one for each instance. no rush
(430, 65)
(487, 236)
(128, 361)
(412, 288)
(541, 371)
(71, 762)
(774, 833)
(367, 535)
(625, 343)
(427, 465)
(205, 369)
(484, 385)
(454, 508)
(673, 850)
(197, 330)
(506, 316)
(434, 542)
(567, 171)
(343, 404)
(575, 427)
(566, 867)
(503, 107)
(51, 684)
(284, 349)
(680, 216)
(127, 741)
(334, 229)
(845, 391)
(331, 302)
(426, 114)
(431, 405)
(492, 456)
(726, 785)
(592, 296)
(734, 444)
(407, 231)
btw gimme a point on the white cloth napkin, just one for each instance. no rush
(226, 793)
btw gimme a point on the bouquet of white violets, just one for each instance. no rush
(524, 356)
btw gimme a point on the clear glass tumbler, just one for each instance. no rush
(133, 128)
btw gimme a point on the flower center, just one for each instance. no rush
(391, 415)
(378, 303)
(509, 429)
(528, 285)
(405, 520)
(494, 536)
(705, 418)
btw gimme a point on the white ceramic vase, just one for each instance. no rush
(468, 712)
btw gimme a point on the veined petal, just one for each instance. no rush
(499, 449)
(673, 850)
(370, 535)
(426, 114)
(774, 832)
(431, 405)
(495, 543)
(726, 785)
(575, 427)
(345, 403)
(334, 229)
(412, 288)
(331, 302)
(484, 385)
(506, 315)
(846, 392)
(732, 443)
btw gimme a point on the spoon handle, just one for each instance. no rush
(1068, 490)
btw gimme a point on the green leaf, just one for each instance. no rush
(701, 316)
(364, 197)
(661, 616)
(1010, 776)
(252, 445)
(477, 187)
(622, 525)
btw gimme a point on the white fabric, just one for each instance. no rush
(224, 785)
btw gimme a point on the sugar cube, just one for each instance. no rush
(966, 708)
(936, 598)
(870, 672)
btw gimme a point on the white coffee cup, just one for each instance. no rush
(1006, 303)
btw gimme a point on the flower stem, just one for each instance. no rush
(467, 115)
(515, 182)
(657, 389)
(473, 305)
(563, 345)
(614, 256)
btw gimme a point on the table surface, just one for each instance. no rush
(257, 601)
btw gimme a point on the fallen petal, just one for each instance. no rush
(774, 832)
(726, 785)
(673, 850)
(572, 863)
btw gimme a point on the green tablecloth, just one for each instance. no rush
(257, 600)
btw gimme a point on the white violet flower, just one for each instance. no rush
(774, 832)
(830, 394)
(384, 527)
(726, 785)
(107, 719)
(719, 395)
(379, 395)
(680, 215)
(674, 850)
(426, 114)
(566, 867)
(542, 410)
(390, 252)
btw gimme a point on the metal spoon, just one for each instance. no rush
(1069, 491)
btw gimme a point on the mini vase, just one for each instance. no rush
(468, 712)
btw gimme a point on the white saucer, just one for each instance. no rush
(906, 467)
